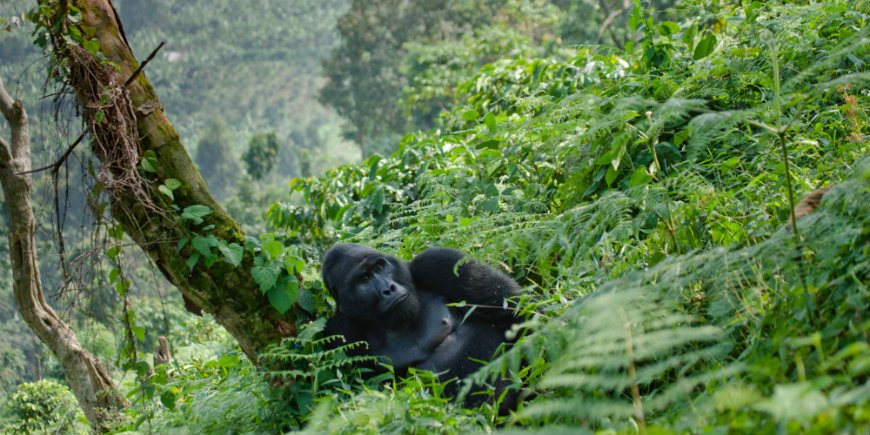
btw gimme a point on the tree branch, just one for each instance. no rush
(5, 107)
(6, 103)
(56, 165)
(15, 115)
(145, 62)
(606, 25)
(5, 154)
(85, 374)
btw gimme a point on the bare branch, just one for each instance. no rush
(14, 113)
(87, 377)
(6, 103)
(5, 154)
(55, 167)
(606, 25)
(142, 65)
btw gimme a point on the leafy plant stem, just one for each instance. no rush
(780, 133)
(672, 227)
(632, 374)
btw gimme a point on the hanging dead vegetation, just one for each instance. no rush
(110, 119)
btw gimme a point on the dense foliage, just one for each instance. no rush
(641, 192)
(43, 407)
(643, 200)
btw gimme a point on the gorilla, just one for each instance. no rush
(404, 312)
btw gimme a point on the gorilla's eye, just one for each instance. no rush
(365, 277)
(378, 267)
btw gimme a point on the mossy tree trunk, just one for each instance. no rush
(227, 292)
(87, 377)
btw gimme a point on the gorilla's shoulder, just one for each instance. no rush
(436, 259)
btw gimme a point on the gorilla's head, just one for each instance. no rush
(369, 286)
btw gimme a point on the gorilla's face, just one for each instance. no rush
(370, 286)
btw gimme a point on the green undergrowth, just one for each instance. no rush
(641, 199)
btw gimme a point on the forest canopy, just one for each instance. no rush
(681, 189)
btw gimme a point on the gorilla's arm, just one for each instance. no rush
(341, 324)
(434, 271)
(352, 331)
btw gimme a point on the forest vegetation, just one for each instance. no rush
(680, 187)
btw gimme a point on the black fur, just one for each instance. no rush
(401, 309)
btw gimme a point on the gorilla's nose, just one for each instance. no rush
(390, 290)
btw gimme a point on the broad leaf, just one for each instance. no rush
(705, 46)
(265, 273)
(283, 297)
(149, 161)
(232, 253)
(195, 213)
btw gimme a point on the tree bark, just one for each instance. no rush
(229, 293)
(88, 379)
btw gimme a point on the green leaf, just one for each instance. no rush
(116, 232)
(293, 264)
(730, 163)
(195, 213)
(489, 144)
(306, 300)
(639, 177)
(689, 34)
(166, 191)
(122, 286)
(282, 297)
(610, 176)
(232, 253)
(149, 161)
(167, 398)
(172, 183)
(373, 169)
(489, 120)
(669, 28)
(113, 252)
(209, 260)
(228, 360)
(273, 248)
(470, 115)
(265, 273)
(636, 15)
(203, 245)
(378, 200)
(191, 261)
(705, 46)
(139, 332)
(490, 205)
(114, 274)
(182, 243)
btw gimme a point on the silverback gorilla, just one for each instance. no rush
(402, 309)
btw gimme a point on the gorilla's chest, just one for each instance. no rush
(415, 345)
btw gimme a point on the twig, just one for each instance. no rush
(55, 167)
(145, 62)
(608, 21)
